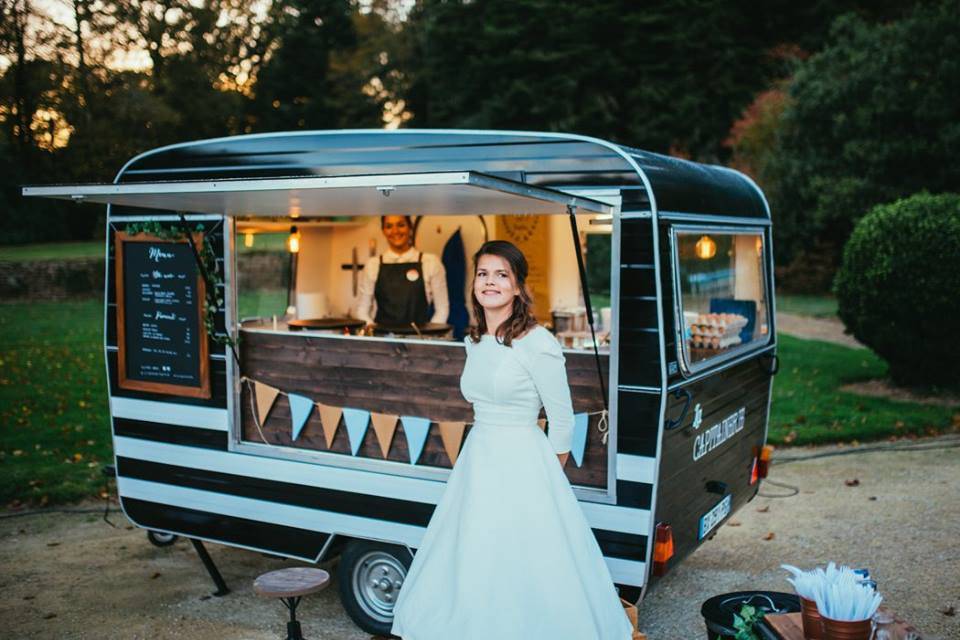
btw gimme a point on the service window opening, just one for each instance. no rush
(722, 297)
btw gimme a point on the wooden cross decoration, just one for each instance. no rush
(355, 267)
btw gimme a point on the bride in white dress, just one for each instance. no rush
(508, 554)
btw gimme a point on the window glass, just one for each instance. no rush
(263, 274)
(723, 298)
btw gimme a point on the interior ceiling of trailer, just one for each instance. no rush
(442, 193)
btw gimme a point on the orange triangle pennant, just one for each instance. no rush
(452, 435)
(385, 425)
(266, 396)
(329, 420)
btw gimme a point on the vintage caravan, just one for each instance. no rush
(295, 430)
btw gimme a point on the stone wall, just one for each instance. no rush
(79, 278)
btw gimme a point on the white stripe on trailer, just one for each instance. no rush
(636, 468)
(600, 516)
(181, 415)
(270, 512)
(276, 469)
(627, 572)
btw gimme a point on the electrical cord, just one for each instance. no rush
(948, 442)
(783, 485)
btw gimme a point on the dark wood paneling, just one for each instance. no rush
(389, 377)
(682, 496)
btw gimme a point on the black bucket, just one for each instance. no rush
(718, 611)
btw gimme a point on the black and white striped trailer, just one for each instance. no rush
(687, 370)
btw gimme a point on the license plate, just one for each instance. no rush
(715, 516)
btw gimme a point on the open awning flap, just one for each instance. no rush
(439, 193)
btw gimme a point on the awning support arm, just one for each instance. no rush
(572, 211)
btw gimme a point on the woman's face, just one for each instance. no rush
(494, 284)
(398, 233)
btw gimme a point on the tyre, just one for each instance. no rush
(159, 539)
(369, 577)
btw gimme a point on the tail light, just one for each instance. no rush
(755, 470)
(763, 460)
(662, 549)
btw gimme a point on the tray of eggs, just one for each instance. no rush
(716, 331)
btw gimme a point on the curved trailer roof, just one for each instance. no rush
(547, 160)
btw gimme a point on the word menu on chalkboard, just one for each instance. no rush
(160, 331)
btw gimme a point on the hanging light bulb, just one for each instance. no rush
(705, 248)
(248, 239)
(293, 241)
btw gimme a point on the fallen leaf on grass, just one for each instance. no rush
(53, 544)
(156, 575)
(852, 483)
(763, 509)
(29, 597)
(949, 611)
(733, 523)
(770, 536)
(48, 616)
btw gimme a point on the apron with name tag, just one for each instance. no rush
(401, 293)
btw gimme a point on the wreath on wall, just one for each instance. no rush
(209, 270)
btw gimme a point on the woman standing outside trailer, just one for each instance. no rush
(508, 553)
(402, 281)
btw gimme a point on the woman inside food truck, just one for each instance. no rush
(400, 286)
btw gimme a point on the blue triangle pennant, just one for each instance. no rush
(356, 421)
(579, 444)
(416, 431)
(300, 408)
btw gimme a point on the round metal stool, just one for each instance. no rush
(290, 585)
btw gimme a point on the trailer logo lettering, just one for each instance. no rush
(719, 433)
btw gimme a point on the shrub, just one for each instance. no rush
(897, 288)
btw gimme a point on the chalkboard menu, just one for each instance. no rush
(161, 337)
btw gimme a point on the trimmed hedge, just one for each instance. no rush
(898, 288)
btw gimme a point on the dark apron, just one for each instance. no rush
(401, 293)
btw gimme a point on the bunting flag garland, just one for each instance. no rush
(356, 421)
(452, 435)
(580, 422)
(329, 420)
(300, 408)
(384, 425)
(416, 431)
(266, 395)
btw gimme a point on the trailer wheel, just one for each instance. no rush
(369, 577)
(159, 539)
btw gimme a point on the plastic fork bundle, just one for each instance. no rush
(840, 593)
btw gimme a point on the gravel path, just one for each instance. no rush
(810, 328)
(72, 576)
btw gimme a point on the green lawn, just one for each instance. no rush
(52, 251)
(802, 305)
(54, 427)
(808, 407)
(55, 434)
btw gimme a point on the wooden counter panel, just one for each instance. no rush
(412, 379)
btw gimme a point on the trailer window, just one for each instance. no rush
(722, 294)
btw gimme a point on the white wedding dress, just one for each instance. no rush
(508, 554)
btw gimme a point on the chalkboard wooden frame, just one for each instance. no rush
(204, 390)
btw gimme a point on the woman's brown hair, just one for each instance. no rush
(521, 317)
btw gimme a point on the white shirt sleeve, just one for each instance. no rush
(436, 277)
(547, 367)
(363, 309)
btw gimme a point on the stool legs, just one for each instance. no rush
(293, 627)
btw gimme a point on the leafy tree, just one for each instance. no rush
(874, 117)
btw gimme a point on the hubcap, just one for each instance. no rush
(377, 579)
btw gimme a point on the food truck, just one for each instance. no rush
(291, 428)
